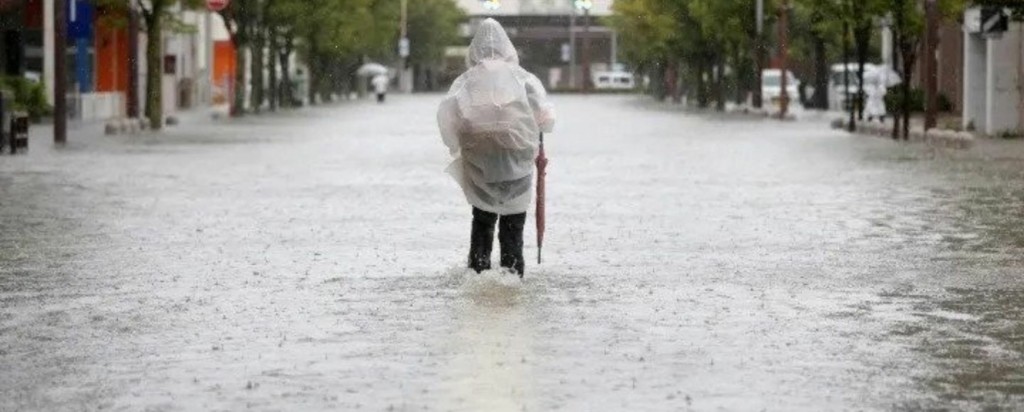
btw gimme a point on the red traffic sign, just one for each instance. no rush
(217, 5)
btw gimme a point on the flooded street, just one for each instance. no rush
(314, 260)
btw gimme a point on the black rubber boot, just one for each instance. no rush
(510, 235)
(481, 240)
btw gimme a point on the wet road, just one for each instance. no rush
(312, 260)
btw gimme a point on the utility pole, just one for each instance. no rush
(60, 78)
(759, 55)
(784, 57)
(133, 61)
(851, 124)
(930, 67)
(586, 50)
(404, 83)
(572, 48)
(586, 5)
(208, 46)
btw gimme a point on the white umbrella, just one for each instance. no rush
(372, 69)
(884, 74)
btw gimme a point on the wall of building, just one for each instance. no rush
(112, 51)
(1004, 65)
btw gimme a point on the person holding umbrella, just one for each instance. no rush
(491, 121)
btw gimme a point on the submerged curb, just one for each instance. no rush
(936, 137)
(125, 126)
(765, 113)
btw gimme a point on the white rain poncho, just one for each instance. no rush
(491, 121)
(874, 106)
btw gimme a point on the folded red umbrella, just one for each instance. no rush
(542, 163)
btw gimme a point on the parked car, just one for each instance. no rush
(771, 86)
(837, 97)
(613, 80)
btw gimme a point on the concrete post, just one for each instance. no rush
(928, 60)
(48, 50)
(60, 104)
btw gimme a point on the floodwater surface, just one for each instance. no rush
(313, 260)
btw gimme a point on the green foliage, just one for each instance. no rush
(433, 25)
(28, 96)
(894, 101)
(648, 29)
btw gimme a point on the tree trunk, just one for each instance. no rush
(314, 78)
(819, 100)
(759, 48)
(154, 69)
(274, 91)
(851, 124)
(719, 82)
(238, 86)
(256, 77)
(657, 83)
(286, 74)
(672, 80)
(907, 50)
(739, 78)
(862, 42)
(702, 89)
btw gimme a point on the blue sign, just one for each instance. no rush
(80, 19)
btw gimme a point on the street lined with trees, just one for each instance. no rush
(714, 50)
(331, 38)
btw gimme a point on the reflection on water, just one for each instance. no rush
(492, 365)
(975, 338)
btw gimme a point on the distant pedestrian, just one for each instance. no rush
(380, 86)
(875, 107)
(491, 121)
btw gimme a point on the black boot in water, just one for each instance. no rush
(510, 235)
(481, 240)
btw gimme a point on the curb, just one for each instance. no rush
(935, 137)
(754, 112)
(125, 126)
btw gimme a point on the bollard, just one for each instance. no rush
(18, 135)
(4, 139)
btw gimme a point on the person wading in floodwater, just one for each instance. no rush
(380, 86)
(491, 121)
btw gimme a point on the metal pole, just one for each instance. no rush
(402, 74)
(572, 48)
(588, 83)
(208, 48)
(133, 60)
(930, 66)
(783, 57)
(851, 124)
(759, 56)
(60, 78)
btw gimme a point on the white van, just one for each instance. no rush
(613, 80)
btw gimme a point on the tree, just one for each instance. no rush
(433, 25)
(908, 30)
(648, 33)
(158, 17)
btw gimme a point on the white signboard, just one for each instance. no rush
(403, 47)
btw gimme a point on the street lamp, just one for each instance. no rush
(585, 5)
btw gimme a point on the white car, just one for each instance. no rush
(771, 86)
(613, 80)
